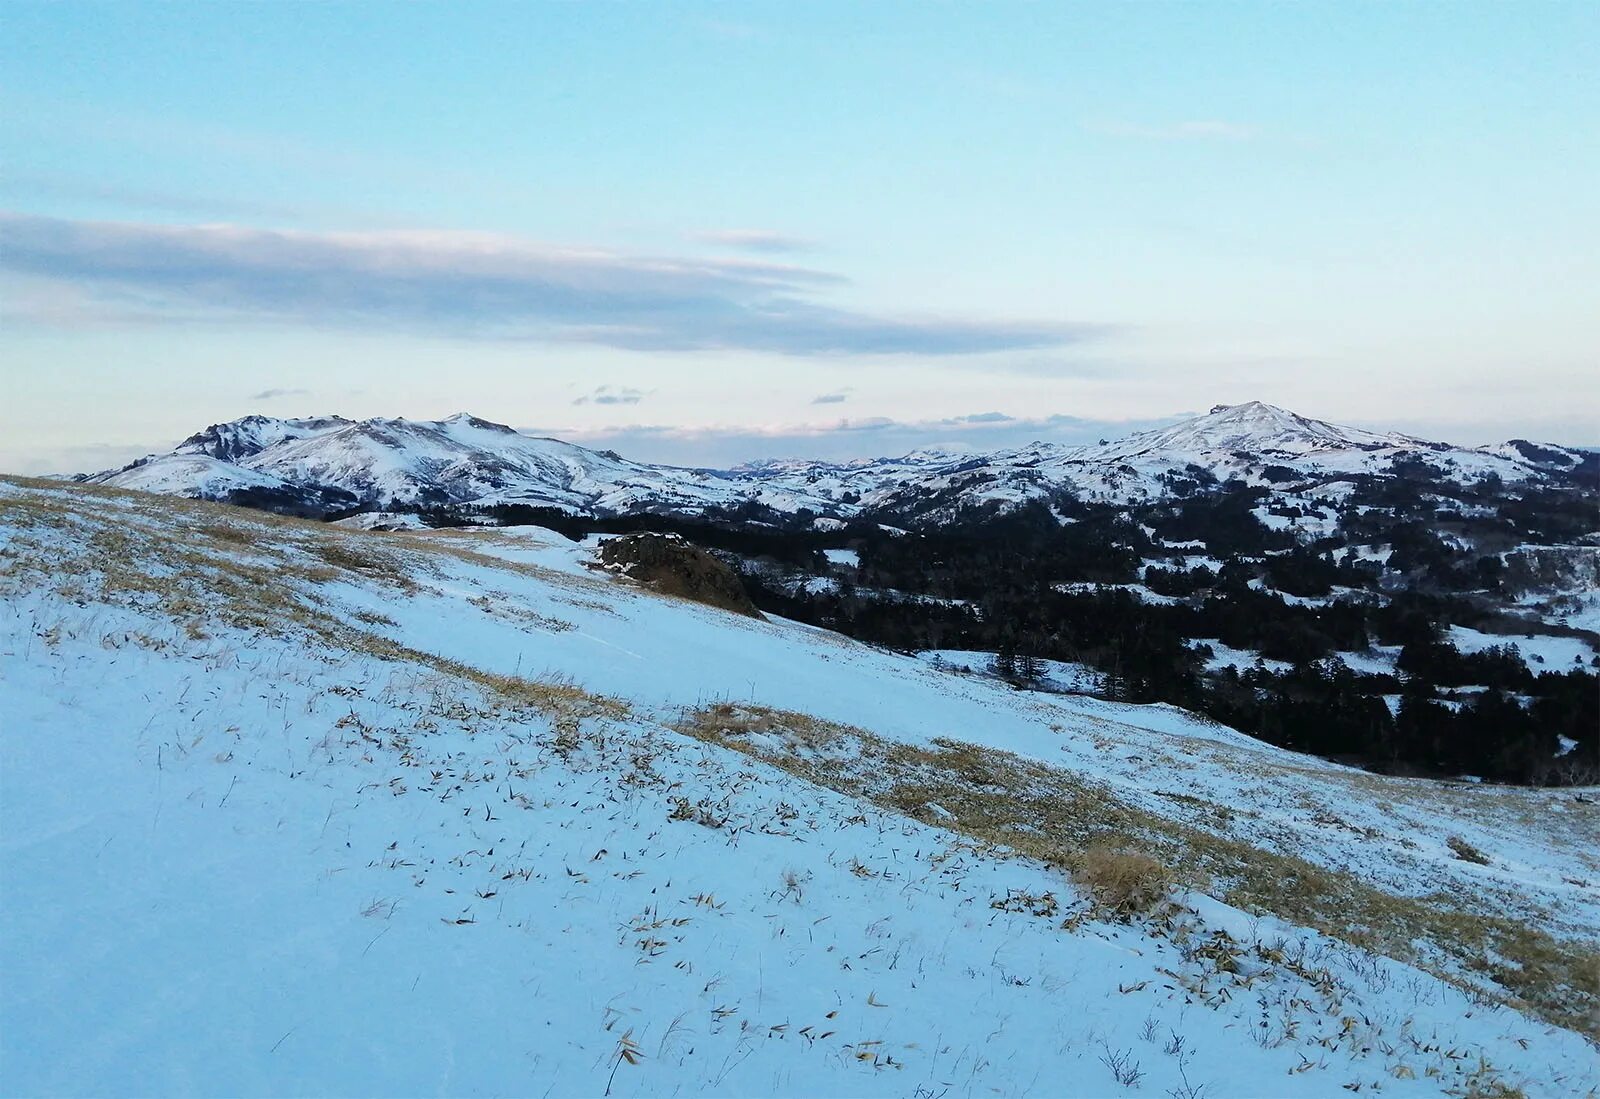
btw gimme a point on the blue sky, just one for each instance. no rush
(714, 232)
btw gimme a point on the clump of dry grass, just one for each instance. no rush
(226, 532)
(341, 554)
(1465, 851)
(721, 720)
(1121, 882)
(565, 704)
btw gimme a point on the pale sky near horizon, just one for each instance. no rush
(713, 232)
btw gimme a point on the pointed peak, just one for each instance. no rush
(238, 439)
(468, 420)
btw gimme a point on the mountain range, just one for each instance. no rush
(329, 464)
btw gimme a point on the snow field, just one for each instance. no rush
(356, 858)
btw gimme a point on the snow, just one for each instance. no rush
(463, 459)
(1187, 561)
(273, 862)
(1138, 591)
(1312, 525)
(1258, 426)
(382, 520)
(1241, 660)
(1379, 660)
(194, 474)
(845, 557)
(1541, 653)
(1054, 675)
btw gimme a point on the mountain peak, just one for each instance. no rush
(1257, 427)
(1259, 411)
(239, 439)
(469, 420)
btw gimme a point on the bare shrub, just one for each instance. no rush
(342, 555)
(1123, 1067)
(1124, 883)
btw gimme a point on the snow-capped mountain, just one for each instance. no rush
(401, 463)
(1260, 428)
(328, 463)
(1254, 443)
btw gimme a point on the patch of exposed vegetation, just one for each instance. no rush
(1040, 812)
(674, 566)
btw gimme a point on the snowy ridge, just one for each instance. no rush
(300, 796)
(239, 439)
(384, 463)
(1260, 429)
(1255, 443)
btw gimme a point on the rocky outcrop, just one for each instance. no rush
(670, 564)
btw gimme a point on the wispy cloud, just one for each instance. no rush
(982, 418)
(1194, 130)
(830, 398)
(613, 395)
(274, 394)
(479, 285)
(753, 240)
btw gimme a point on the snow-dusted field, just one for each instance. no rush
(287, 809)
(1551, 654)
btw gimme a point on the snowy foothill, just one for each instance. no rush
(292, 808)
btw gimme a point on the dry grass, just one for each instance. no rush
(1466, 852)
(346, 556)
(246, 570)
(1123, 883)
(228, 568)
(1013, 804)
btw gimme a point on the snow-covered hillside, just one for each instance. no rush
(1255, 443)
(291, 808)
(403, 462)
(333, 462)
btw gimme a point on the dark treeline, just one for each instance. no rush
(1318, 705)
(1028, 586)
